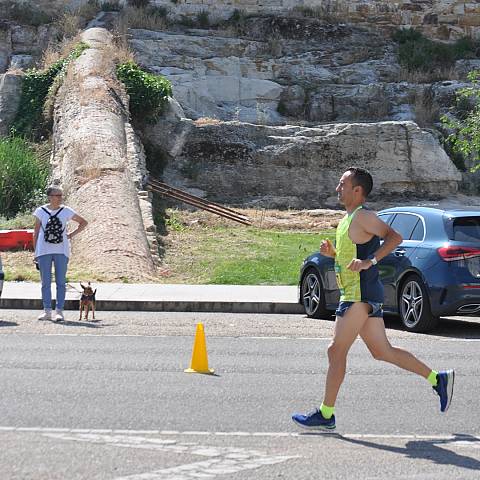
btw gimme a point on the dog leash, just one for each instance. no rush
(73, 288)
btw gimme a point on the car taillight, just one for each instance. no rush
(451, 253)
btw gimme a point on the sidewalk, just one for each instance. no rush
(169, 298)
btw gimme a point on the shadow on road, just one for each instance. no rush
(429, 450)
(79, 323)
(447, 327)
(7, 324)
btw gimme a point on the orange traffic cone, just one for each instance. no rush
(199, 362)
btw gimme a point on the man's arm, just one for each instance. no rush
(327, 248)
(372, 225)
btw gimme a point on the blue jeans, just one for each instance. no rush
(45, 263)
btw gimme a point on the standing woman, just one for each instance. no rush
(52, 245)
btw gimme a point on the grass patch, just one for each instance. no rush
(241, 256)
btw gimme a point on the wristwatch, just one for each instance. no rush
(373, 260)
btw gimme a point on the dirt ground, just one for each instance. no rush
(299, 220)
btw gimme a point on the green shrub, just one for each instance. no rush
(35, 88)
(464, 139)
(23, 176)
(416, 52)
(148, 93)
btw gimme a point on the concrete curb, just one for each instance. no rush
(163, 306)
(164, 298)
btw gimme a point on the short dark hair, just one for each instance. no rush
(53, 189)
(361, 177)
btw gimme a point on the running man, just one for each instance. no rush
(360, 311)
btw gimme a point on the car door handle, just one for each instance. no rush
(400, 252)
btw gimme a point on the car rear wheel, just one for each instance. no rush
(313, 297)
(415, 310)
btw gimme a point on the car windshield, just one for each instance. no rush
(466, 229)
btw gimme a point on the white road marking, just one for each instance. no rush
(418, 337)
(221, 460)
(446, 437)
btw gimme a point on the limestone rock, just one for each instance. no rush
(10, 90)
(5, 46)
(299, 167)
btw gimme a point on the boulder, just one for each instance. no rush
(292, 166)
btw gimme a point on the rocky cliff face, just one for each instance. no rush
(261, 85)
(313, 74)
(299, 167)
(443, 19)
(310, 71)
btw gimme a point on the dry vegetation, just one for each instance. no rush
(290, 220)
(143, 18)
(420, 76)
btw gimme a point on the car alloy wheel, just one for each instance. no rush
(415, 306)
(311, 293)
(412, 303)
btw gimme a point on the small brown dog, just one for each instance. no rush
(87, 300)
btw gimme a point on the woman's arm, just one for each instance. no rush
(82, 223)
(36, 231)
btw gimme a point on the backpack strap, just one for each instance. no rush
(53, 216)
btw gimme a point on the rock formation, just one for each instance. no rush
(98, 166)
(299, 167)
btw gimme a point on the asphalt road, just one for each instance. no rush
(110, 400)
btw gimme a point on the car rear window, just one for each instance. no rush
(466, 229)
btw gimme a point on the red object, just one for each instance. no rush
(16, 240)
(451, 253)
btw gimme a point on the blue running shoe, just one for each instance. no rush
(314, 421)
(444, 388)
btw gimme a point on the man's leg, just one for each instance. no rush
(374, 335)
(346, 331)
(347, 328)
